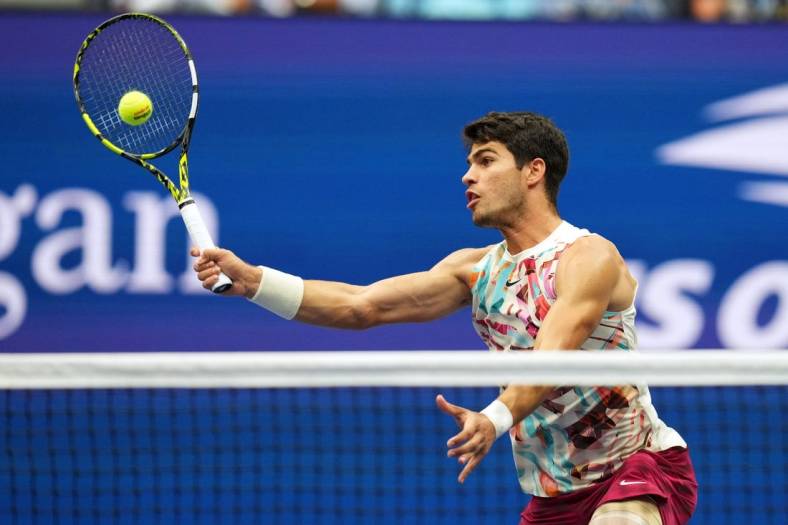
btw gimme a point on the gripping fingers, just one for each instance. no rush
(210, 282)
(202, 265)
(206, 273)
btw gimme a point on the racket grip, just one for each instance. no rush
(200, 236)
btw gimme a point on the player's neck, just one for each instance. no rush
(530, 230)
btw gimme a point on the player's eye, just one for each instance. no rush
(486, 161)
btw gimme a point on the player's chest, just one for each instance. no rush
(508, 287)
(510, 303)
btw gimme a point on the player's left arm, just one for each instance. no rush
(590, 272)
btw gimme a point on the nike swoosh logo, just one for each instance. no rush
(624, 483)
(512, 283)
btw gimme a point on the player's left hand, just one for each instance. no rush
(474, 440)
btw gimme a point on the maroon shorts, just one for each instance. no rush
(667, 477)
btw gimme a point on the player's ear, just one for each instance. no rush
(534, 171)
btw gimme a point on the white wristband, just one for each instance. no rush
(501, 417)
(279, 292)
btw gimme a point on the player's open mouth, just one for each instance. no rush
(472, 199)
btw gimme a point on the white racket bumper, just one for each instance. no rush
(200, 236)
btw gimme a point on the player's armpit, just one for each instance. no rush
(415, 297)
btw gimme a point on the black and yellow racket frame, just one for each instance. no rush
(179, 193)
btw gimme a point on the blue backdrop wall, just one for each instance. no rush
(331, 149)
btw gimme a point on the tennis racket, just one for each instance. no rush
(140, 52)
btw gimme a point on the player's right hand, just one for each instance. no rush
(211, 262)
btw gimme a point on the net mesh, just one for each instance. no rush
(136, 54)
(349, 455)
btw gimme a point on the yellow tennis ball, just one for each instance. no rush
(135, 108)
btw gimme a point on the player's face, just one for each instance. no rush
(495, 192)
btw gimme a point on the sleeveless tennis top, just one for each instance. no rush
(578, 435)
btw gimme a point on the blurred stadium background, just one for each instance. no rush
(340, 121)
(558, 10)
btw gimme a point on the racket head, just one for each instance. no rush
(137, 51)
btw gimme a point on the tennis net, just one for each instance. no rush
(346, 437)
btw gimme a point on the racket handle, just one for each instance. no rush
(200, 236)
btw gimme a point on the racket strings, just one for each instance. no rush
(172, 62)
(164, 120)
(137, 54)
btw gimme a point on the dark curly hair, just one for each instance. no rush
(527, 136)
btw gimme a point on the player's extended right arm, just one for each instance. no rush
(415, 297)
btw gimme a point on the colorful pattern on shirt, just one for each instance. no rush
(578, 435)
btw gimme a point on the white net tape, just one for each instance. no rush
(400, 368)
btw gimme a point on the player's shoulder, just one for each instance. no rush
(594, 262)
(464, 257)
(592, 249)
(594, 243)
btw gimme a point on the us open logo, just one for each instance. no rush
(749, 136)
(753, 140)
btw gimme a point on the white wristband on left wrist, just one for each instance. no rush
(501, 417)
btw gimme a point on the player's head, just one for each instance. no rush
(510, 155)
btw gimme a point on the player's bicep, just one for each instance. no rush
(424, 296)
(415, 297)
(585, 284)
(569, 323)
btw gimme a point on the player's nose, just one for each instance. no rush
(469, 177)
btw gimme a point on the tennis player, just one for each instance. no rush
(587, 455)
